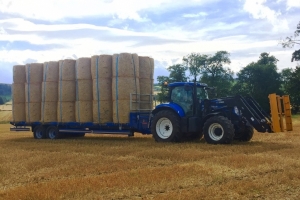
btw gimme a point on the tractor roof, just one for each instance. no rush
(186, 83)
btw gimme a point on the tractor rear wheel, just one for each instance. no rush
(165, 127)
(218, 130)
(246, 135)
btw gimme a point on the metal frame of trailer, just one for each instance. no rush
(139, 122)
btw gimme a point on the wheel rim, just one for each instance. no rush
(52, 133)
(215, 131)
(164, 128)
(39, 133)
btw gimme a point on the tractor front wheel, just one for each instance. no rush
(165, 127)
(246, 135)
(218, 130)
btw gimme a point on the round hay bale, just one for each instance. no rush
(18, 93)
(102, 111)
(18, 112)
(67, 70)
(121, 110)
(66, 111)
(19, 74)
(104, 69)
(49, 91)
(33, 92)
(125, 65)
(84, 111)
(67, 90)
(33, 111)
(34, 73)
(49, 112)
(122, 87)
(146, 67)
(50, 71)
(83, 69)
(84, 90)
(102, 89)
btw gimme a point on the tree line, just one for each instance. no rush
(258, 79)
(5, 93)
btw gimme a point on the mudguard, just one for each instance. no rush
(171, 106)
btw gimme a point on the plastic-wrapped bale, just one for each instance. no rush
(34, 73)
(18, 93)
(102, 89)
(67, 70)
(33, 92)
(102, 111)
(83, 69)
(146, 82)
(125, 81)
(67, 91)
(33, 111)
(49, 111)
(19, 74)
(84, 111)
(84, 90)
(51, 71)
(18, 112)
(101, 66)
(66, 111)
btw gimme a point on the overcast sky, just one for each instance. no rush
(39, 31)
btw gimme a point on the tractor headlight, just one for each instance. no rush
(236, 110)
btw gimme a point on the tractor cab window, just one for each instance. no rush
(201, 93)
(183, 96)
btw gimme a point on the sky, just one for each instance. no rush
(166, 30)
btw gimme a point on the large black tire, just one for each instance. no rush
(218, 130)
(165, 127)
(39, 132)
(53, 132)
(246, 135)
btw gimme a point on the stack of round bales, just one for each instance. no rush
(146, 82)
(101, 70)
(18, 93)
(84, 91)
(125, 81)
(33, 91)
(49, 92)
(66, 91)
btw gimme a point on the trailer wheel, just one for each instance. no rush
(39, 132)
(246, 135)
(218, 130)
(53, 133)
(165, 127)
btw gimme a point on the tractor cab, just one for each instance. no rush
(189, 96)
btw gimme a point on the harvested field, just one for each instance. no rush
(118, 167)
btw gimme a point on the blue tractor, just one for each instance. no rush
(191, 114)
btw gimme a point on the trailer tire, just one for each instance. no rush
(218, 130)
(53, 132)
(165, 127)
(39, 132)
(246, 135)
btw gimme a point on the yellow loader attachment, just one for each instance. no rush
(280, 111)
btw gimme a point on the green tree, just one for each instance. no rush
(293, 87)
(177, 73)
(216, 75)
(259, 79)
(290, 42)
(195, 63)
(162, 96)
(285, 78)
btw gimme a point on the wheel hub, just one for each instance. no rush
(164, 128)
(215, 131)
